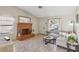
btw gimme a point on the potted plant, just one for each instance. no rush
(71, 39)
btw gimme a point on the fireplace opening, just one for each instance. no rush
(25, 31)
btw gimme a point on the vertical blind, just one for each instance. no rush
(6, 25)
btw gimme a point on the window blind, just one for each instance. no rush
(6, 25)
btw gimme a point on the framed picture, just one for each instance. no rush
(23, 19)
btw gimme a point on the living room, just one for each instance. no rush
(65, 18)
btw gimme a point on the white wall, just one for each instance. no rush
(43, 25)
(66, 23)
(15, 12)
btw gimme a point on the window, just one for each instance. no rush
(53, 24)
(6, 25)
(23, 19)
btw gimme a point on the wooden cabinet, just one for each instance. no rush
(24, 31)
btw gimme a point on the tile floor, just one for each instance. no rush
(35, 44)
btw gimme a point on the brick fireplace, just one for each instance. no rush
(24, 31)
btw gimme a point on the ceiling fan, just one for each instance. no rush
(40, 6)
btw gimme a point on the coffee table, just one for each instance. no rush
(49, 39)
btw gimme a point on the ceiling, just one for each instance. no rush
(49, 11)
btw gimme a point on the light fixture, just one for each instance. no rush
(40, 6)
(77, 20)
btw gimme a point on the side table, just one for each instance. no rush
(75, 45)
